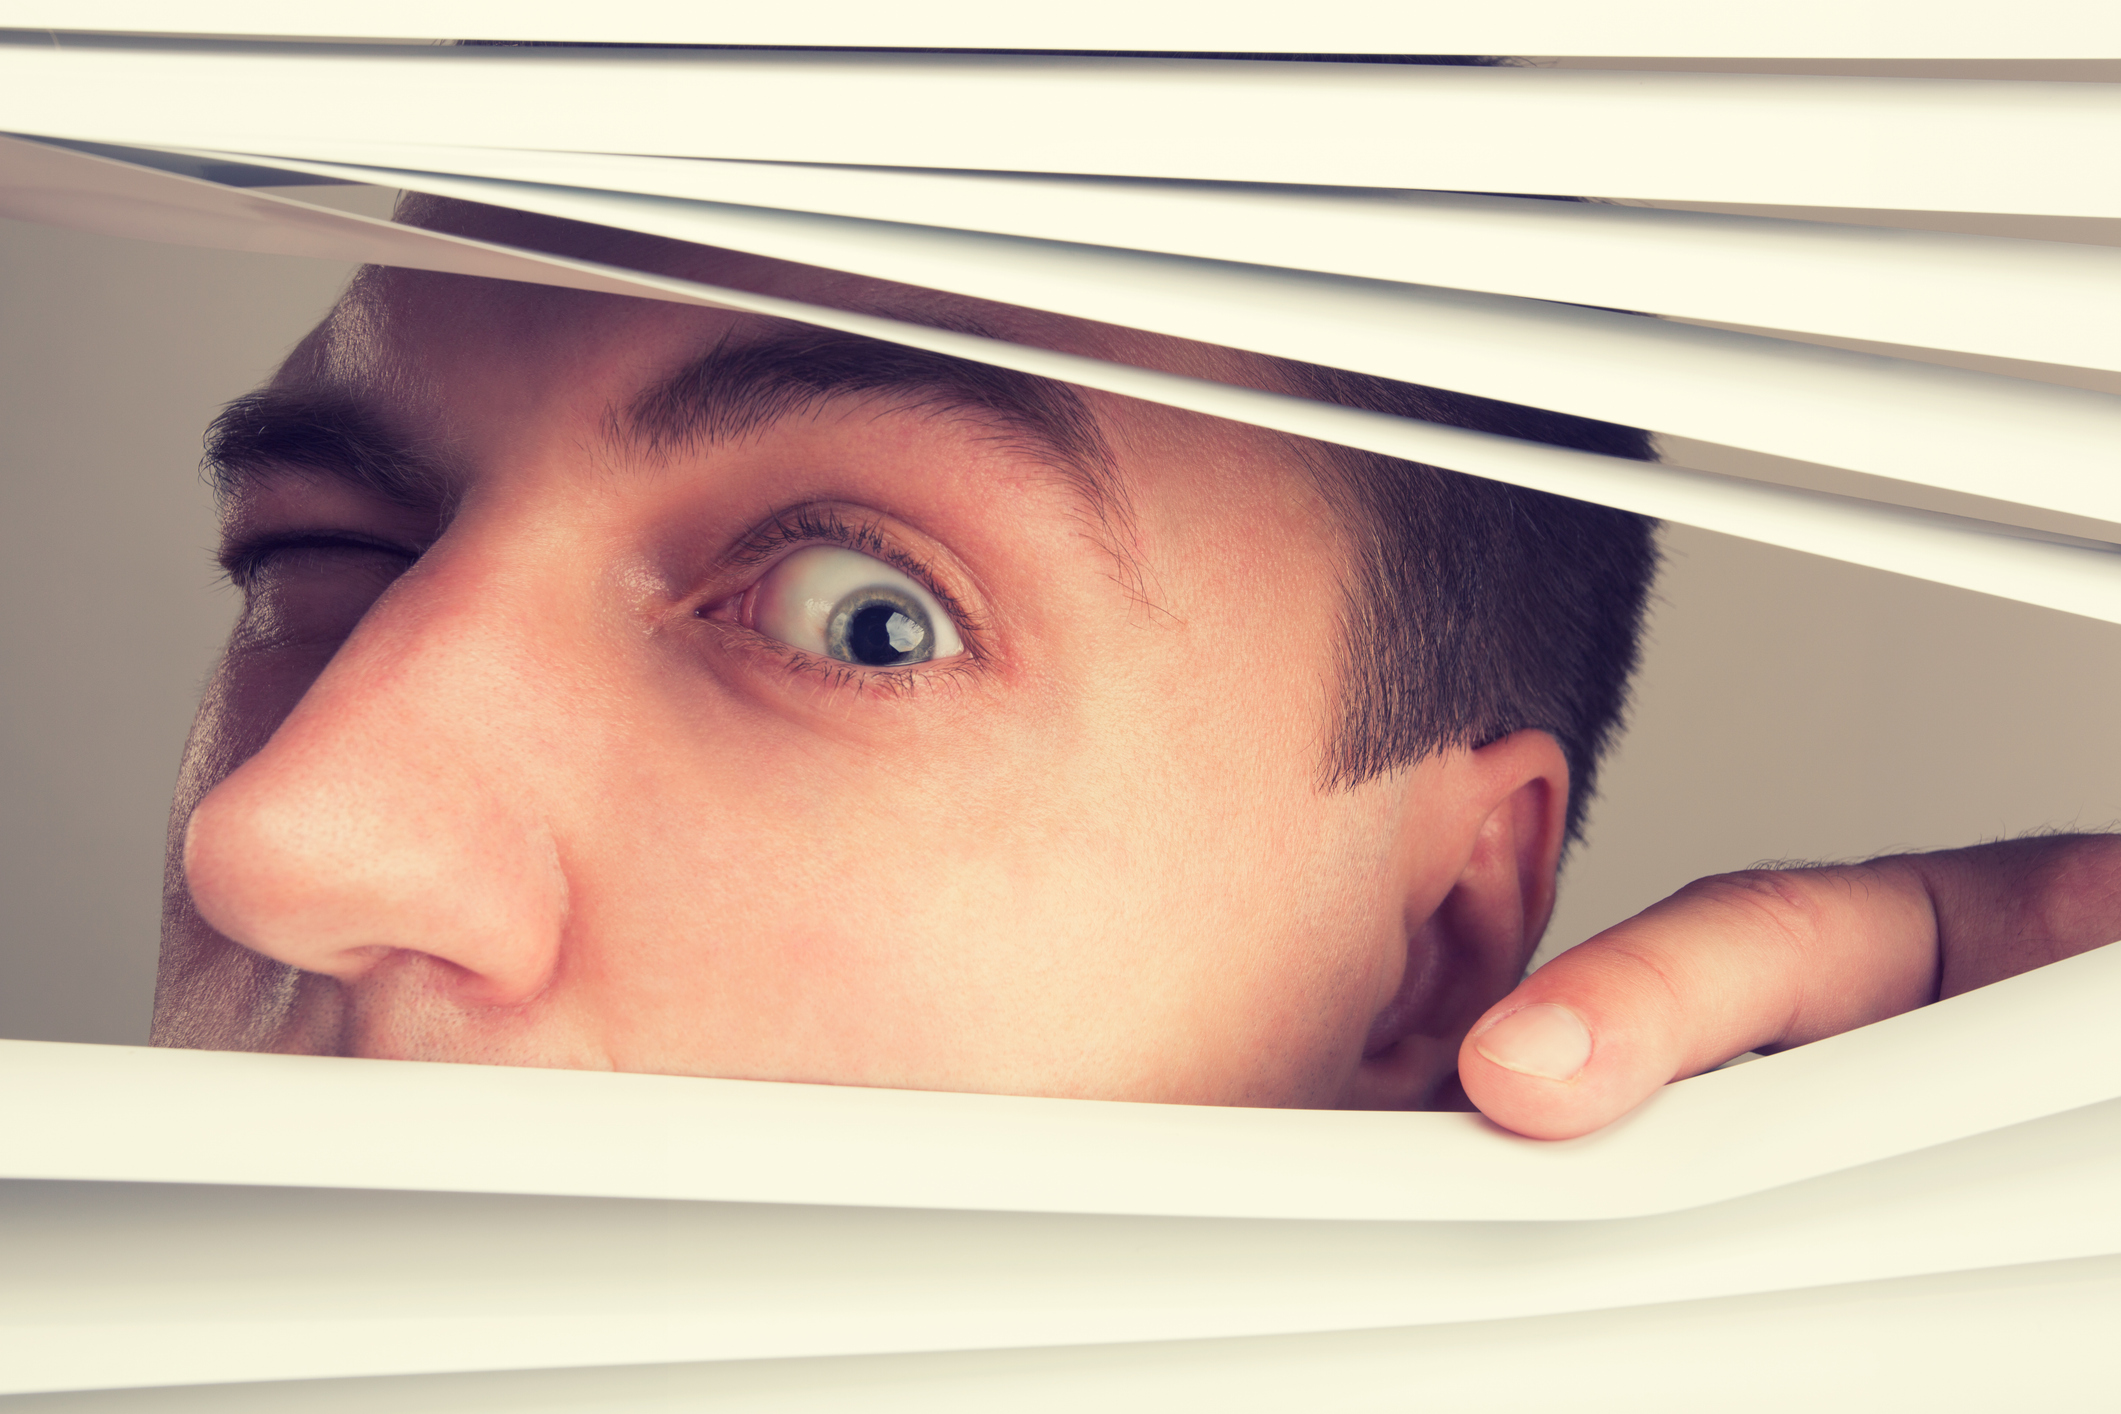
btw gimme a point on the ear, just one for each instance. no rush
(1491, 848)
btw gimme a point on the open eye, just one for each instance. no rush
(852, 607)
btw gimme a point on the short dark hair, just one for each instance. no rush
(1476, 608)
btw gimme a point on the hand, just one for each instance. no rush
(1770, 958)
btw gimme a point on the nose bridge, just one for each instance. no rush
(403, 805)
(456, 653)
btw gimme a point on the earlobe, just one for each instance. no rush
(1495, 839)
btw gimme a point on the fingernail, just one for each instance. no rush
(1545, 1040)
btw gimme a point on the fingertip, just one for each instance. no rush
(1536, 1069)
(1535, 1106)
(1545, 1041)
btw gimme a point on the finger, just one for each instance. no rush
(1735, 963)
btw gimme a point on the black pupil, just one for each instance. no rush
(871, 630)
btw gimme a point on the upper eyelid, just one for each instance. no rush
(240, 558)
(811, 525)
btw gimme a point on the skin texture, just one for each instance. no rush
(504, 774)
(1765, 959)
(507, 781)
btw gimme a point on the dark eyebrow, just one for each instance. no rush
(276, 430)
(739, 387)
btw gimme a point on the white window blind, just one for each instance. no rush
(465, 1218)
(2048, 301)
(507, 1240)
(1921, 143)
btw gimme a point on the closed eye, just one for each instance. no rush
(243, 560)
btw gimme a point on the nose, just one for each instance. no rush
(401, 806)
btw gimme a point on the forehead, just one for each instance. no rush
(416, 340)
(465, 376)
(422, 349)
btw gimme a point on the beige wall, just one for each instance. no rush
(113, 354)
(1791, 707)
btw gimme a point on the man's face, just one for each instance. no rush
(870, 741)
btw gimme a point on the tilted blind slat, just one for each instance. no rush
(396, 1283)
(1930, 1342)
(1970, 145)
(2004, 438)
(2045, 301)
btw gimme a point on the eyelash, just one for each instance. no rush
(820, 525)
(241, 562)
(807, 525)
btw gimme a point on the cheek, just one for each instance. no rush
(1068, 908)
(859, 915)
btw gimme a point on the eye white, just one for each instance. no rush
(842, 604)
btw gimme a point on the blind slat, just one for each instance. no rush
(1928, 1342)
(396, 1283)
(2039, 29)
(1970, 145)
(2044, 301)
(1981, 434)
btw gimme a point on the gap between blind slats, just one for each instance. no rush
(2045, 301)
(1971, 145)
(1975, 433)
(91, 193)
(2039, 29)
